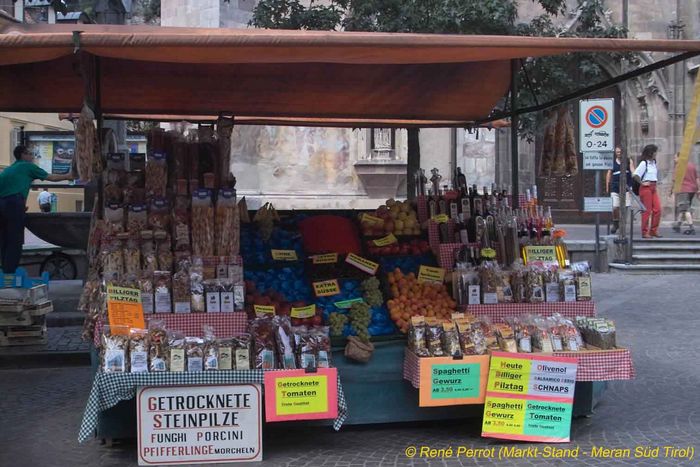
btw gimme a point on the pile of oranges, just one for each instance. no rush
(413, 298)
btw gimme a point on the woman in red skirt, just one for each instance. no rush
(647, 175)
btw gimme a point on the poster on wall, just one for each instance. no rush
(199, 424)
(63, 152)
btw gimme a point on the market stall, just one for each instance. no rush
(488, 268)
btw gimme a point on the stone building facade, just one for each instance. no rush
(315, 168)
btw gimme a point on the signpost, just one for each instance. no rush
(597, 143)
(199, 424)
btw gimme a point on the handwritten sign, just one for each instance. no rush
(303, 312)
(346, 304)
(297, 395)
(328, 258)
(545, 254)
(326, 288)
(124, 309)
(385, 241)
(445, 381)
(529, 397)
(284, 255)
(264, 309)
(363, 264)
(199, 424)
(372, 220)
(440, 218)
(430, 274)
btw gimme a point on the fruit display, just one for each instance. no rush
(289, 281)
(414, 247)
(406, 263)
(413, 298)
(349, 290)
(399, 218)
(255, 250)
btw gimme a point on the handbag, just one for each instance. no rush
(635, 183)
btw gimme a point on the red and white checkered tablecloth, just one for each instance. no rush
(422, 208)
(190, 324)
(593, 365)
(497, 312)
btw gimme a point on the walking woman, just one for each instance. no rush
(647, 175)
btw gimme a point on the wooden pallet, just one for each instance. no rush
(23, 318)
(23, 335)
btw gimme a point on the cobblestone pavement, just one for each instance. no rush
(656, 316)
(64, 339)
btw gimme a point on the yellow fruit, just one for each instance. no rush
(398, 225)
(403, 215)
(390, 202)
(409, 223)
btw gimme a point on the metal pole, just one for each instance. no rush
(413, 162)
(514, 156)
(629, 245)
(597, 223)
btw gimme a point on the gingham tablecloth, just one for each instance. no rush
(110, 388)
(593, 365)
(190, 324)
(497, 312)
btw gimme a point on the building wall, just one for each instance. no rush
(190, 13)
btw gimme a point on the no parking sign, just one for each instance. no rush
(597, 125)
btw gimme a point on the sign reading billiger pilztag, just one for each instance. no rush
(199, 424)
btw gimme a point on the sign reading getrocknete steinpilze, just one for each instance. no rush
(199, 424)
(597, 125)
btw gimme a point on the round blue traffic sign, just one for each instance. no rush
(596, 116)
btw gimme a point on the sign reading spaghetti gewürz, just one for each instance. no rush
(529, 397)
(199, 424)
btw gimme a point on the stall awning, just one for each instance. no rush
(286, 77)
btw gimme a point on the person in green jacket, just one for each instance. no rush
(15, 182)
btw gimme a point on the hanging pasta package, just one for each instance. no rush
(156, 175)
(227, 228)
(85, 144)
(202, 223)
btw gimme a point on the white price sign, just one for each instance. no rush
(598, 160)
(597, 204)
(199, 424)
(597, 125)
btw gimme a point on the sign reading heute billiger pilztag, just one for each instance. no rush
(199, 424)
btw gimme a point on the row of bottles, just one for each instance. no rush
(487, 219)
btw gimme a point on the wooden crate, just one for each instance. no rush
(17, 341)
(21, 318)
(25, 331)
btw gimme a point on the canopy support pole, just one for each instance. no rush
(514, 156)
(100, 125)
(413, 162)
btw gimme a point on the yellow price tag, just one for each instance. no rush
(372, 220)
(430, 274)
(326, 288)
(284, 255)
(441, 218)
(303, 312)
(264, 309)
(328, 258)
(384, 241)
(363, 264)
(546, 254)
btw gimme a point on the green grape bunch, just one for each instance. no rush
(337, 322)
(360, 317)
(371, 293)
